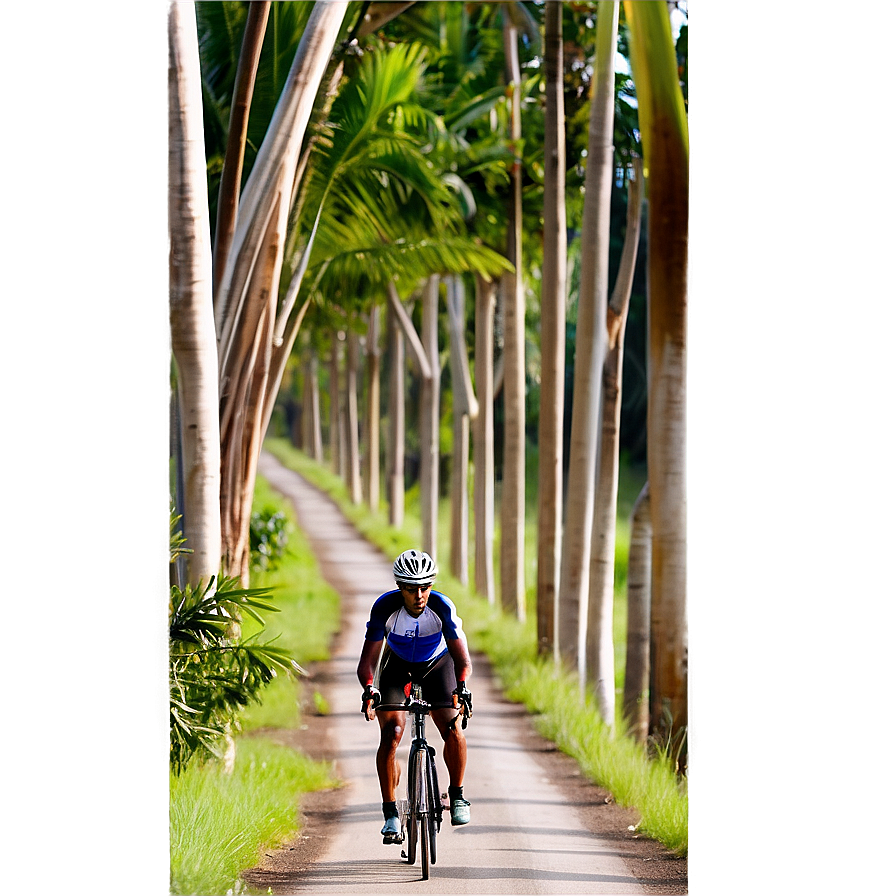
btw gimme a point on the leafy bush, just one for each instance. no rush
(268, 537)
(212, 674)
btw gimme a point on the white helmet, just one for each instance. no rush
(414, 568)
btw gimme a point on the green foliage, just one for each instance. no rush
(268, 538)
(176, 540)
(221, 822)
(321, 704)
(212, 674)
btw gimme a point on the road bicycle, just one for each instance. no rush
(421, 813)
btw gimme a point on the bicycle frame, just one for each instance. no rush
(421, 814)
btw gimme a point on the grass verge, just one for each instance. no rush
(611, 760)
(218, 820)
(219, 823)
(307, 621)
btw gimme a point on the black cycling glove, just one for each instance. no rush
(464, 699)
(371, 695)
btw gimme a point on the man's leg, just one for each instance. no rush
(455, 751)
(391, 731)
(455, 754)
(388, 772)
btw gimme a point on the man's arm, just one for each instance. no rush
(457, 647)
(370, 654)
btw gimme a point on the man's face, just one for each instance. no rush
(415, 597)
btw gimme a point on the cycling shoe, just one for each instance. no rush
(460, 811)
(391, 831)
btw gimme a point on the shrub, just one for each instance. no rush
(213, 672)
(268, 537)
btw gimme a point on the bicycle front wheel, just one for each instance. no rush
(426, 844)
(415, 796)
(434, 806)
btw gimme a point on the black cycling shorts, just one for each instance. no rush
(437, 678)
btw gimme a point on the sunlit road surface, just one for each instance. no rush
(524, 836)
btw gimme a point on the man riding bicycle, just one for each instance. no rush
(424, 642)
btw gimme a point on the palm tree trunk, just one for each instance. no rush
(484, 441)
(553, 339)
(248, 291)
(273, 173)
(335, 401)
(464, 407)
(295, 416)
(190, 299)
(303, 418)
(378, 14)
(395, 466)
(231, 174)
(429, 420)
(282, 349)
(372, 465)
(513, 488)
(313, 437)
(590, 351)
(353, 471)
(406, 327)
(663, 126)
(600, 665)
(636, 691)
(252, 440)
(241, 414)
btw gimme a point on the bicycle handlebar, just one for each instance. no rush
(410, 705)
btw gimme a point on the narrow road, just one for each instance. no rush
(525, 836)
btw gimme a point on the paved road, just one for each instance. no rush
(524, 836)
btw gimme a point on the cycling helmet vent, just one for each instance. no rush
(414, 568)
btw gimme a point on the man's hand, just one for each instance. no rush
(464, 700)
(370, 700)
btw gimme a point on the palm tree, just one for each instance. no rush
(246, 301)
(636, 690)
(352, 442)
(513, 486)
(336, 452)
(372, 415)
(237, 131)
(553, 338)
(395, 461)
(600, 665)
(465, 409)
(590, 351)
(311, 406)
(429, 418)
(664, 132)
(192, 323)
(484, 440)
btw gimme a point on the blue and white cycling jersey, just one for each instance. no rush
(415, 640)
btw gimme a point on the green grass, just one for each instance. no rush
(309, 608)
(606, 757)
(221, 822)
(613, 761)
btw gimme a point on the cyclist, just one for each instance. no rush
(424, 640)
